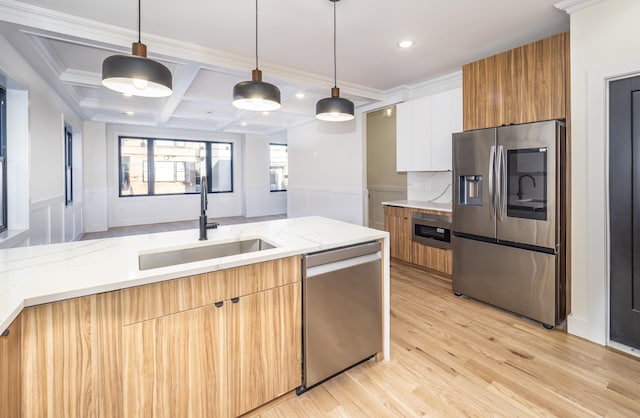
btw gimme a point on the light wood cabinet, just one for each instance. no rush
(525, 84)
(423, 131)
(399, 228)
(264, 347)
(176, 365)
(397, 221)
(210, 345)
(59, 374)
(10, 357)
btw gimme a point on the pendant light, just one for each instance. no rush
(334, 108)
(135, 74)
(256, 94)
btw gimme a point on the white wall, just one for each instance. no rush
(43, 142)
(604, 45)
(258, 200)
(326, 171)
(95, 177)
(140, 210)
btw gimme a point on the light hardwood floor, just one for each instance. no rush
(459, 357)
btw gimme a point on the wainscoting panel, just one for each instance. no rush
(379, 194)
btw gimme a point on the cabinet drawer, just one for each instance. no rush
(159, 299)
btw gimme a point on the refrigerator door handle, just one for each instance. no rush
(492, 197)
(501, 184)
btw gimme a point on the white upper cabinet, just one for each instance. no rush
(423, 131)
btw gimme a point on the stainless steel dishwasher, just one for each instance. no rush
(342, 310)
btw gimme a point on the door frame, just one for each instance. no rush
(590, 279)
(609, 342)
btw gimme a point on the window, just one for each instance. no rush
(3, 160)
(164, 167)
(68, 166)
(278, 167)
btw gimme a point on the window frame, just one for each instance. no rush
(151, 165)
(4, 212)
(282, 145)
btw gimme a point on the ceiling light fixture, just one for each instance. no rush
(256, 94)
(135, 74)
(405, 44)
(334, 108)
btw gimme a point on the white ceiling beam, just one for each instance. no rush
(81, 78)
(184, 77)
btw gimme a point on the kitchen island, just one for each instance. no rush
(92, 295)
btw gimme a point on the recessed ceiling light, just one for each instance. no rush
(243, 124)
(265, 113)
(129, 113)
(405, 44)
(300, 95)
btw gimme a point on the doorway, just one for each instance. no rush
(384, 183)
(624, 211)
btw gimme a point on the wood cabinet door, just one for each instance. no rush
(265, 341)
(397, 221)
(525, 84)
(175, 366)
(10, 388)
(59, 373)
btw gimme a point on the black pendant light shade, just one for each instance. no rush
(256, 94)
(334, 108)
(135, 74)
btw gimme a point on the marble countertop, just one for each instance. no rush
(418, 204)
(41, 274)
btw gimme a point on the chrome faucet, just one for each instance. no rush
(520, 192)
(204, 224)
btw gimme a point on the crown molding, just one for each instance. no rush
(572, 6)
(408, 92)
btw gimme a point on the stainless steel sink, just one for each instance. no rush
(206, 252)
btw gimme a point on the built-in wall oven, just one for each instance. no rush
(432, 230)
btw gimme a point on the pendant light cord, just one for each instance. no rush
(256, 34)
(139, 19)
(335, 66)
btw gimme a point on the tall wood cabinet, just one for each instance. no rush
(210, 345)
(525, 84)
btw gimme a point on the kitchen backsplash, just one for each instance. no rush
(432, 186)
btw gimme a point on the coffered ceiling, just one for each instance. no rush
(209, 46)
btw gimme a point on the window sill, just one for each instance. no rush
(11, 237)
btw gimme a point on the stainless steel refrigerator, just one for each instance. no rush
(508, 218)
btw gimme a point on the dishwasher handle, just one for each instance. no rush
(342, 265)
(338, 254)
